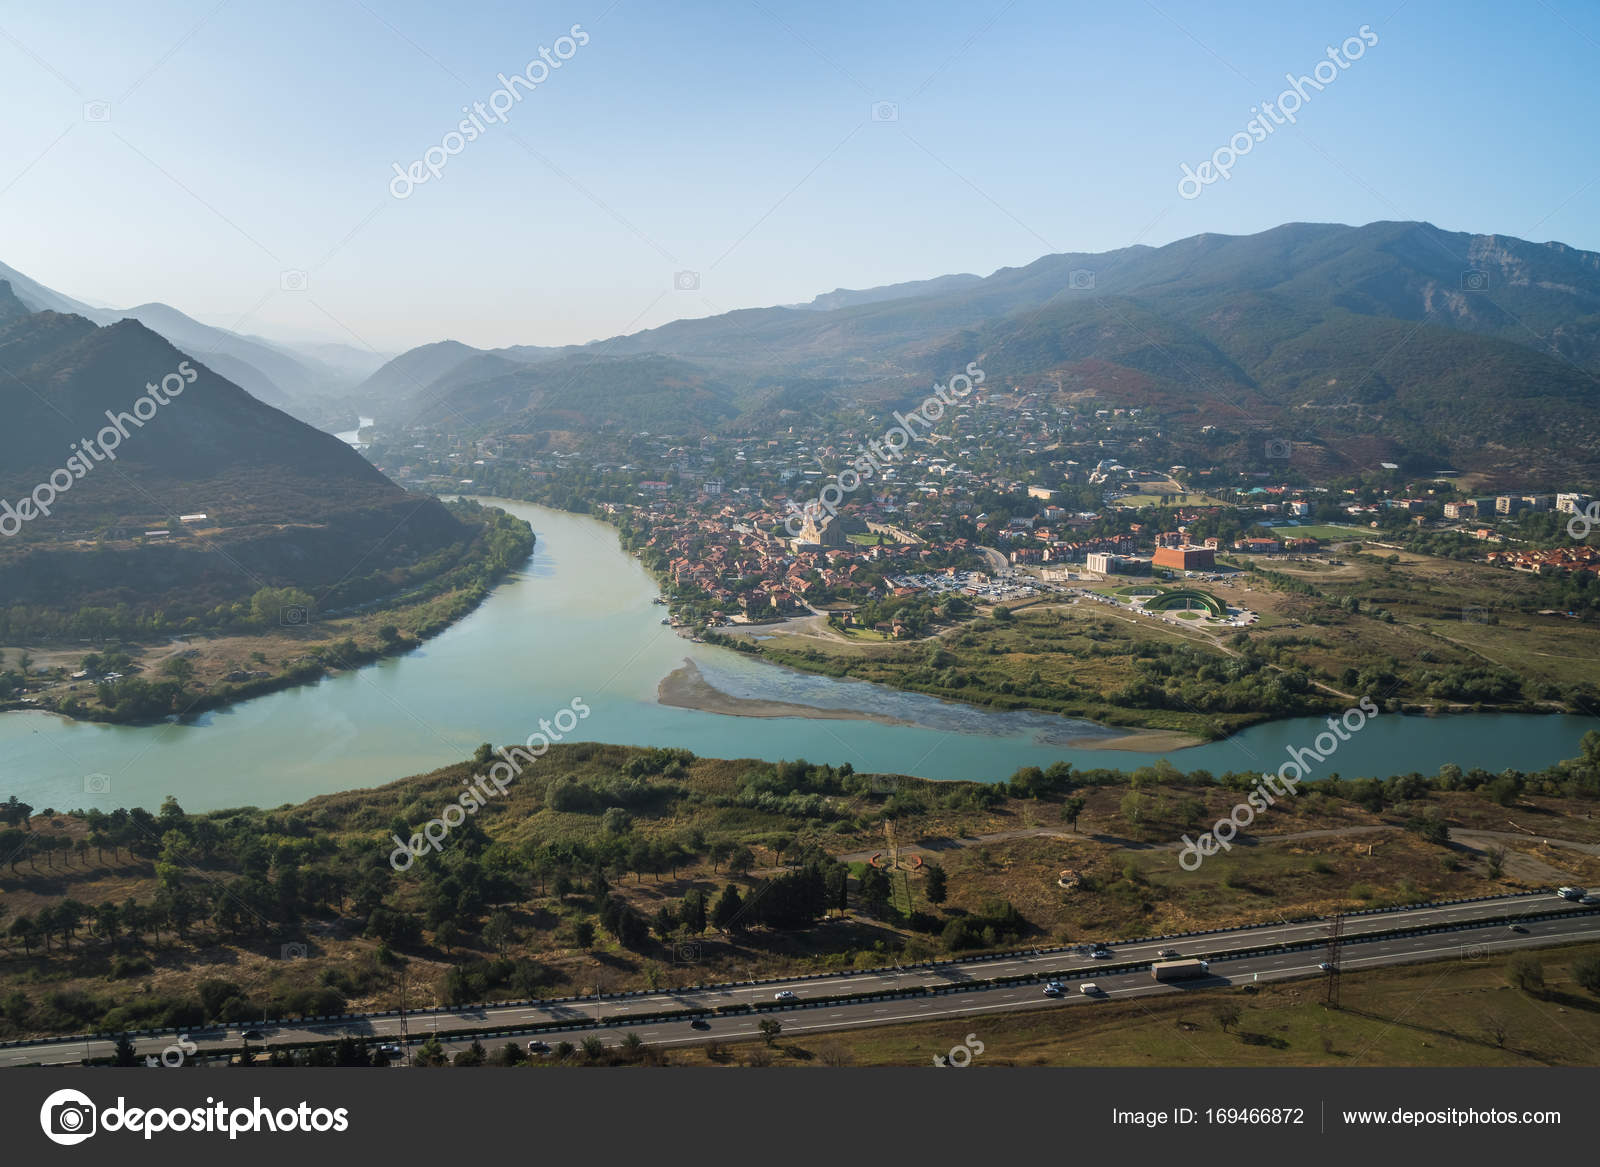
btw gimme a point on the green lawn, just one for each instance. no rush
(1322, 531)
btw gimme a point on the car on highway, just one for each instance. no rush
(699, 1023)
(1518, 928)
(1101, 954)
(1089, 989)
(538, 1047)
(253, 1035)
(1168, 954)
(391, 1050)
(1325, 966)
(1053, 989)
(785, 995)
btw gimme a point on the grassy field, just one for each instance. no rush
(1174, 498)
(1424, 631)
(1074, 659)
(1447, 1013)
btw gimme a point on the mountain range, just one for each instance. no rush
(1394, 341)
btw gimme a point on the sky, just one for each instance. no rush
(239, 161)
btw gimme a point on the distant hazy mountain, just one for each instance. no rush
(421, 377)
(268, 370)
(292, 505)
(1393, 342)
(847, 298)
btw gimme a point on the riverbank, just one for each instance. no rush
(188, 676)
(687, 688)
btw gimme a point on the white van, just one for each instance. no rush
(1089, 989)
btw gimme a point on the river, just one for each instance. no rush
(579, 622)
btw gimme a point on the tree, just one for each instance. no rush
(447, 935)
(935, 887)
(1525, 972)
(1227, 1014)
(1495, 860)
(429, 1053)
(693, 911)
(498, 932)
(124, 1054)
(875, 891)
(1072, 808)
(583, 933)
(770, 1028)
(726, 908)
(1586, 971)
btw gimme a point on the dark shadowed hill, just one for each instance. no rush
(284, 504)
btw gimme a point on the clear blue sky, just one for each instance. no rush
(737, 140)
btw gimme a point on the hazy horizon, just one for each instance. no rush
(749, 146)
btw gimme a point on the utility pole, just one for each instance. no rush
(405, 1032)
(1335, 942)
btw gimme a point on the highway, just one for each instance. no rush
(1075, 966)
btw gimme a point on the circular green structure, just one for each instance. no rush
(1185, 598)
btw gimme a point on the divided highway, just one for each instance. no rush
(1463, 922)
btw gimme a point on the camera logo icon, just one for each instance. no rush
(1279, 448)
(1474, 281)
(1080, 279)
(294, 280)
(686, 281)
(1472, 614)
(885, 111)
(883, 784)
(686, 952)
(68, 1117)
(97, 783)
(294, 950)
(97, 111)
(293, 616)
(1475, 953)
